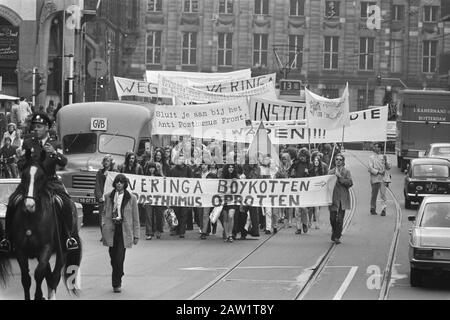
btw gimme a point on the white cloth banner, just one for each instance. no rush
(365, 125)
(196, 120)
(198, 77)
(234, 85)
(186, 94)
(275, 110)
(193, 192)
(129, 87)
(327, 113)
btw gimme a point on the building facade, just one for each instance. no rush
(323, 43)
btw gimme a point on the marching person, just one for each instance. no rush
(120, 229)
(229, 172)
(41, 150)
(153, 214)
(300, 169)
(341, 197)
(8, 157)
(378, 165)
(208, 172)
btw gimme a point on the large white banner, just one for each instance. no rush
(187, 94)
(198, 77)
(365, 125)
(196, 120)
(129, 87)
(275, 110)
(191, 192)
(327, 113)
(234, 85)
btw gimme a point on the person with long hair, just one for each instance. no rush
(131, 164)
(229, 172)
(153, 214)
(283, 173)
(120, 226)
(318, 168)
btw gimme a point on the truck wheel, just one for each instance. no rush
(88, 214)
(403, 165)
(415, 277)
(399, 162)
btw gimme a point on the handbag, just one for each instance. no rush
(170, 217)
(215, 214)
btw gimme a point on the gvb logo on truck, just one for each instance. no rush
(100, 124)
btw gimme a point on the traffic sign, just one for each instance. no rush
(290, 87)
(97, 68)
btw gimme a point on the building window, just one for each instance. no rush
(154, 6)
(365, 13)
(331, 9)
(261, 6)
(396, 56)
(366, 98)
(297, 8)
(190, 5)
(429, 56)
(296, 47)
(225, 6)
(153, 47)
(260, 48)
(398, 12)
(189, 48)
(330, 54)
(225, 49)
(330, 93)
(430, 13)
(366, 48)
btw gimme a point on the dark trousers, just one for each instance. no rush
(153, 219)
(337, 222)
(240, 219)
(117, 254)
(373, 199)
(189, 219)
(254, 217)
(182, 215)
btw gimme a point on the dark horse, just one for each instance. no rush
(36, 232)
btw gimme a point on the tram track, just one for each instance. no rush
(387, 273)
(323, 260)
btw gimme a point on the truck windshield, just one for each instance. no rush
(115, 144)
(80, 143)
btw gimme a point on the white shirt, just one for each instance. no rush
(118, 197)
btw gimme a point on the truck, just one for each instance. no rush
(89, 131)
(423, 117)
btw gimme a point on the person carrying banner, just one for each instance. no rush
(153, 214)
(283, 173)
(208, 172)
(229, 172)
(300, 169)
(318, 168)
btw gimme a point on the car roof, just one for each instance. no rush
(430, 161)
(440, 144)
(436, 198)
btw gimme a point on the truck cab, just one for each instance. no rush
(88, 131)
(423, 118)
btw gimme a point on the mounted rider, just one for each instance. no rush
(45, 152)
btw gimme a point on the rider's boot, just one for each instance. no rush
(5, 246)
(71, 243)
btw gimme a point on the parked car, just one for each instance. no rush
(426, 176)
(429, 244)
(7, 187)
(439, 150)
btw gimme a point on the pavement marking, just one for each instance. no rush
(345, 284)
(264, 280)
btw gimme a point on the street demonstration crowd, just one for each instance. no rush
(295, 162)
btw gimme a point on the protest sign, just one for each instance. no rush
(186, 94)
(195, 120)
(192, 192)
(198, 77)
(130, 87)
(327, 113)
(275, 110)
(234, 85)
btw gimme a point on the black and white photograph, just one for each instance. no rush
(225, 156)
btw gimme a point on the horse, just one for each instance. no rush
(36, 233)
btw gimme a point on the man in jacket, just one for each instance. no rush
(341, 197)
(378, 165)
(300, 169)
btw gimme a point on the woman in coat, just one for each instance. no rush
(341, 197)
(120, 226)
